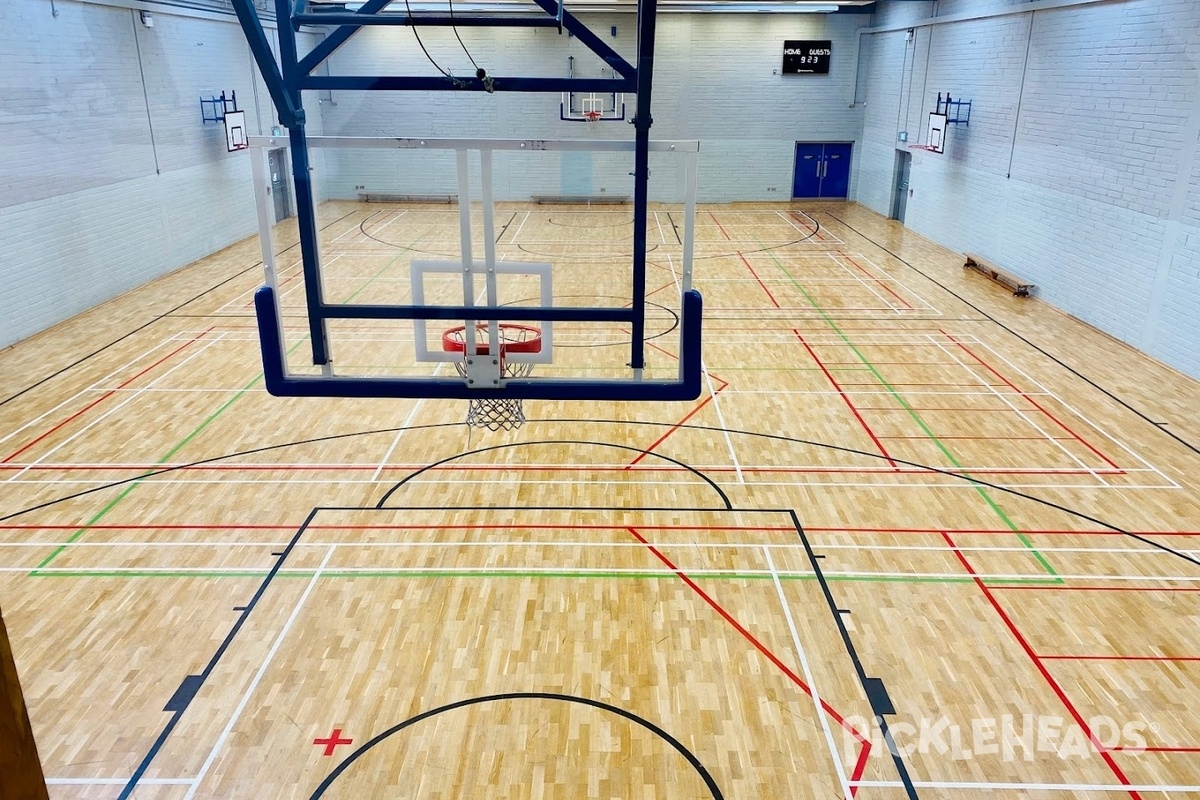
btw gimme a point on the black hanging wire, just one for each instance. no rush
(480, 72)
(460, 41)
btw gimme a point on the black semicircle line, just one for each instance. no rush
(724, 497)
(713, 789)
(682, 426)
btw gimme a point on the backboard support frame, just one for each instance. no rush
(289, 75)
(279, 381)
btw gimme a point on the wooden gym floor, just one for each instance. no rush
(903, 493)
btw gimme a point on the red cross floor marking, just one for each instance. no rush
(333, 741)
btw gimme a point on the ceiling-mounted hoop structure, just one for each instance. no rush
(286, 79)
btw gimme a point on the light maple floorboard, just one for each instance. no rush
(901, 485)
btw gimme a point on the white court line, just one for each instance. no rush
(915, 295)
(96, 387)
(255, 570)
(573, 545)
(810, 234)
(241, 706)
(808, 676)
(861, 280)
(662, 236)
(237, 303)
(962, 577)
(1020, 412)
(384, 225)
(1086, 420)
(517, 232)
(950, 483)
(404, 426)
(712, 392)
(131, 398)
(1041, 787)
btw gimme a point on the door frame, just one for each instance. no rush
(900, 197)
(820, 178)
(280, 153)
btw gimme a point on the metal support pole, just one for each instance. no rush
(266, 241)
(464, 232)
(306, 212)
(489, 243)
(689, 216)
(647, 10)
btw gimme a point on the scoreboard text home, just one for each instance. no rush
(806, 58)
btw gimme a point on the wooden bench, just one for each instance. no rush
(389, 197)
(581, 199)
(1020, 288)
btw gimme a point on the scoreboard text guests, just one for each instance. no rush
(806, 58)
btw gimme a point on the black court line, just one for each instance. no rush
(873, 688)
(695, 762)
(158, 318)
(1106, 392)
(964, 477)
(191, 684)
(675, 229)
(500, 235)
(728, 506)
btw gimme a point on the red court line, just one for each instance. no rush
(107, 395)
(774, 302)
(882, 285)
(866, 742)
(714, 219)
(810, 529)
(1136, 750)
(1032, 402)
(1053, 684)
(1118, 658)
(676, 427)
(815, 230)
(446, 527)
(846, 398)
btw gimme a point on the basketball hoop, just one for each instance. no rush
(495, 414)
(593, 115)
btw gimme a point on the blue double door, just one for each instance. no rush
(822, 170)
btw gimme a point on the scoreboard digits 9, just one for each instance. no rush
(806, 57)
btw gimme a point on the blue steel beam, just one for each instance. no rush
(589, 39)
(280, 384)
(336, 39)
(419, 20)
(289, 112)
(429, 83)
(306, 217)
(641, 176)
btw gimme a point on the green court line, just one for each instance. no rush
(915, 416)
(195, 432)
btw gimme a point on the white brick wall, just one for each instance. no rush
(1109, 114)
(84, 215)
(713, 81)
